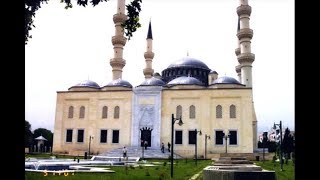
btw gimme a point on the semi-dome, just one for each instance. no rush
(188, 62)
(87, 83)
(152, 82)
(185, 81)
(119, 82)
(225, 80)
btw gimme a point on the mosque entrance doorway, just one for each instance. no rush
(146, 136)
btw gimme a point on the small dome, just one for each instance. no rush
(41, 138)
(152, 82)
(213, 72)
(225, 80)
(156, 74)
(189, 62)
(87, 83)
(119, 82)
(183, 80)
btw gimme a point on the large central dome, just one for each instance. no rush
(188, 62)
(187, 67)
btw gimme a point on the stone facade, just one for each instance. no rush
(152, 107)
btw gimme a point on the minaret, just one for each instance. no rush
(245, 58)
(118, 41)
(237, 51)
(148, 71)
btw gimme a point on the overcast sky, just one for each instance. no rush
(69, 46)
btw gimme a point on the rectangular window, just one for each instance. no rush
(80, 135)
(69, 135)
(192, 137)
(103, 136)
(233, 138)
(115, 136)
(178, 139)
(219, 137)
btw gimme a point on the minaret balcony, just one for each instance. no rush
(119, 18)
(237, 51)
(148, 71)
(244, 9)
(148, 55)
(119, 40)
(246, 58)
(245, 33)
(238, 68)
(117, 62)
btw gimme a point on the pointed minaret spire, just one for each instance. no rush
(148, 71)
(118, 41)
(149, 36)
(245, 58)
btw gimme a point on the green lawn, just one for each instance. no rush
(287, 174)
(182, 170)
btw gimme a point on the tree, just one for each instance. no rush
(287, 144)
(46, 134)
(130, 25)
(27, 134)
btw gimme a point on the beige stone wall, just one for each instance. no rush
(205, 102)
(93, 121)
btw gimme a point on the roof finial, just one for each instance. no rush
(187, 53)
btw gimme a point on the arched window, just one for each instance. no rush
(232, 111)
(105, 112)
(70, 113)
(82, 109)
(192, 112)
(116, 112)
(179, 111)
(219, 111)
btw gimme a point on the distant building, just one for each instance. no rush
(274, 135)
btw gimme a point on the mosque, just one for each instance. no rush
(118, 114)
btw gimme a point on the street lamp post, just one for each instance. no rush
(200, 133)
(226, 140)
(205, 145)
(90, 137)
(142, 152)
(274, 127)
(173, 120)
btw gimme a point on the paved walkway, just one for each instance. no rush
(139, 152)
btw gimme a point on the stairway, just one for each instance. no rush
(135, 151)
